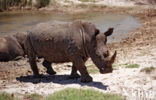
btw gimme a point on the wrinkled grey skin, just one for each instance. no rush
(70, 42)
(20, 37)
(10, 49)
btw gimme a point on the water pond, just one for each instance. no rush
(22, 21)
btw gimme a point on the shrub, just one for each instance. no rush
(5, 4)
(42, 3)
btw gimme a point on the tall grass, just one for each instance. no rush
(6, 4)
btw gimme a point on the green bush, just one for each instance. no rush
(81, 94)
(5, 4)
(42, 3)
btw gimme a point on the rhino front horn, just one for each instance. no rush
(113, 58)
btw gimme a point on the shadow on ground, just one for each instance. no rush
(60, 79)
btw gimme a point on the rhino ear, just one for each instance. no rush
(109, 32)
(96, 32)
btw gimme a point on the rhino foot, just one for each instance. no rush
(38, 76)
(74, 76)
(51, 72)
(86, 79)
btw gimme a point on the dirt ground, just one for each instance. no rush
(135, 84)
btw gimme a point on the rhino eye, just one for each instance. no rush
(105, 55)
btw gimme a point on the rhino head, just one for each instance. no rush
(99, 52)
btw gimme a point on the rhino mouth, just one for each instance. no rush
(107, 68)
(104, 70)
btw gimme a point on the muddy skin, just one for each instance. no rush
(69, 42)
(12, 46)
(10, 49)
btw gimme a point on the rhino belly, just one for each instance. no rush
(51, 52)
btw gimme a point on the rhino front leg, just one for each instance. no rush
(74, 73)
(47, 64)
(80, 65)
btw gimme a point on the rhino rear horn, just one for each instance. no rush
(113, 58)
(109, 31)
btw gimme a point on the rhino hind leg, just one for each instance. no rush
(80, 65)
(32, 58)
(74, 73)
(32, 61)
(49, 68)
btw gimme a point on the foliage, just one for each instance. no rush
(5, 96)
(6, 4)
(148, 69)
(81, 94)
(33, 97)
(132, 66)
(42, 3)
(68, 94)
(53, 2)
(92, 69)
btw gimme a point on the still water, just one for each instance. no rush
(22, 21)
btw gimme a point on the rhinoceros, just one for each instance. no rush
(69, 42)
(20, 37)
(10, 48)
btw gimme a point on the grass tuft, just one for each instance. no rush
(80, 94)
(33, 97)
(132, 66)
(91, 66)
(148, 69)
(6, 96)
(92, 69)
